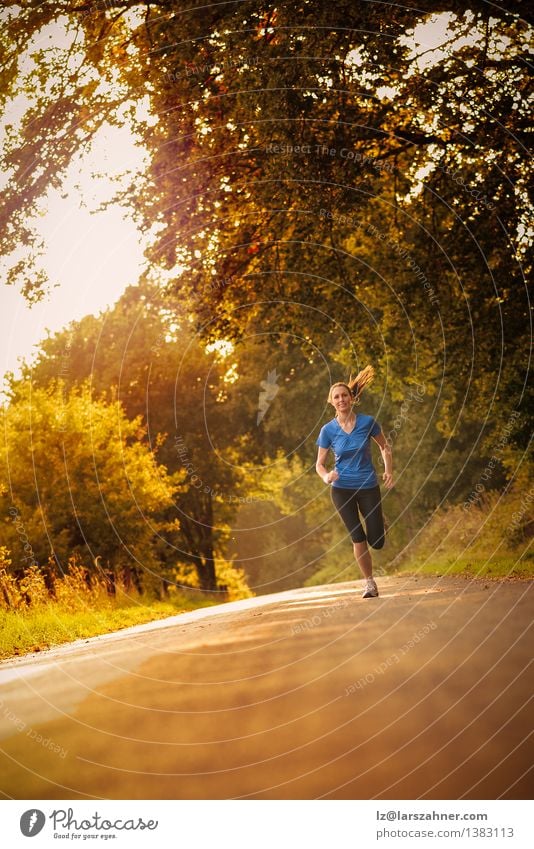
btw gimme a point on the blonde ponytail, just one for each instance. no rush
(355, 385)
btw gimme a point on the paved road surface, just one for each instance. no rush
(312, 693)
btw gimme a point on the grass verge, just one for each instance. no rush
(476, 567)
(49, 625)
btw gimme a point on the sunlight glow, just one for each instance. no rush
(222, 347)
(231, 375)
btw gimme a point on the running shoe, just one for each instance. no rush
(371, 589)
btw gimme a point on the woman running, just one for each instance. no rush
(355, 491)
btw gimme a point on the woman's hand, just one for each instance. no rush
(331, 476)
(385, 450)
(387, 477)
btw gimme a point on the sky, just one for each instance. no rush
(93, 257)
(90, 256)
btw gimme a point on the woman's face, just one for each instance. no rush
(341, 399)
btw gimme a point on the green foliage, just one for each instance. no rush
(289, 529)
(276, 550)
(46, 626)
(267, 117)
(150, 360)
(231, 582)
(490, 534)
(314, 186)
(78, 479)
(82, 603)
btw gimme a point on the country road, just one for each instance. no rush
(313, 693)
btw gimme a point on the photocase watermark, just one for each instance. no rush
(32, 822)
(416, 395)
(374, 231)
(318, 618)
(64, 368)
(30, 732)
(82, 828)
(194, 479)
(194, 69)
(269, 391)
(344, 153)
(216, 285)
(246, 499)
(519, 515)
(100, 6)
(404, 254)
(159, 344)
(24, 541)
(458, 179)
(394, 658)
(66, 820)
(198, 483)
(476, 493)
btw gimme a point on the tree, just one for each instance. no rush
(311, 172)
(78, 479)
(148, 359)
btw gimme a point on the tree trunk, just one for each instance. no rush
(196, 525)
(209, 571)
(205, 567)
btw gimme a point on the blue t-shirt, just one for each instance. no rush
(352, 452)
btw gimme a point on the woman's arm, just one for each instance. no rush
(387, 459)
(321, 469)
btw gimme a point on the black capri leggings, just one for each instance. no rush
(349, 503)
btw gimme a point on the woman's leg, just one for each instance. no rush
(346, 503)
(363, 558)
(370, 505)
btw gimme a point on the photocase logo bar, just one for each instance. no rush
(269, 392)
(32, 822)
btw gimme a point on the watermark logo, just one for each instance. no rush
(269, 392)
(495, 459)
(318, 618)
(396, 657)
(66, 820)
(32, 822)
(24, 541)
(403, 414)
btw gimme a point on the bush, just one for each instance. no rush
(36, 614)
(10, 594)
(230, 580)
(78, 589)
(489, 534)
